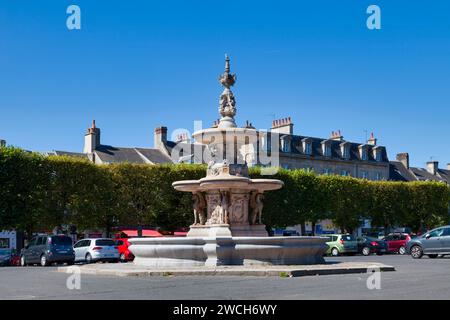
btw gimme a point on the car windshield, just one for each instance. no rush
(105, 242)
(65, 241)
(347, 237)
(371, 239)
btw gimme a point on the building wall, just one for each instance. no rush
(355, 169)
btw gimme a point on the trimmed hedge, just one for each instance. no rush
(38, 193)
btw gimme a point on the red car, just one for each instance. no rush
(124, 253)
(396, 242)
(123, 244)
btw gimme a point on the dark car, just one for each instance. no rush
(433, 243)
(369, 245)
(47, 249)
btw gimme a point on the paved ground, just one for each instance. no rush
(414, 279)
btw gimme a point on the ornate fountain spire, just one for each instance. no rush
(227, 103)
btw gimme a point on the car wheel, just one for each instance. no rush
(71, 263)
(432, 256)
(88, 258)
(23, 262)
(366, 251)
(122, 257)
(416, 252)
(402, 250)
(44, 261)
(334, 252)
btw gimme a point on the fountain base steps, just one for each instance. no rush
(132, 270)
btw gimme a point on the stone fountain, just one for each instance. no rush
(228, 207)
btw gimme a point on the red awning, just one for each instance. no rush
(145, 233)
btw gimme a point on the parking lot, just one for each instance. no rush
(414, 279)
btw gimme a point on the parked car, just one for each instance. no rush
(369, 245)
(5, 257)
(341, 244)
(433, 243)
(290, 233)
(124, 253)
(47, 249)
(397, 242)
(96, 249)
(15, 258)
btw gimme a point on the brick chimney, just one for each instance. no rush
(372, 140)
(448, 166)
(283, 126)
(403, 158)
(182, 137)
(91, 138)
(432, 167)
(160, 138)
(337, 136)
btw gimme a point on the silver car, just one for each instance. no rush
(433, 243)
(92, 250)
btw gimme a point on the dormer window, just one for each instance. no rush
(307, 146)
(377, 154)
(285, 144)
(326, 148)
(363, 152)
(345, 150)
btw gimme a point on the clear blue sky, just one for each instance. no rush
(136, 65)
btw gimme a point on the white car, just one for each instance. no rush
(92, 250)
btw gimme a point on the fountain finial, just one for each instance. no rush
(227, 104)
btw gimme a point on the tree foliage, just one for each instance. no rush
(38, 193)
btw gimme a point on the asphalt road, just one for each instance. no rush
(414, 279)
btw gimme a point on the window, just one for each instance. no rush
(327, 151)
(61, 240)
(378, 176)
(105, 242)
(308, 148)
(378, 155)
(284, 145)
(364, 155)
(446, 232)
(32, 242)
(4, 243)
(345, 173)
(41, 241)
(436, 233)
(346, 152)
(364, 175)
(327, 171)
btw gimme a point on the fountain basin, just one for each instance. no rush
(216, 251)
(227, 182)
